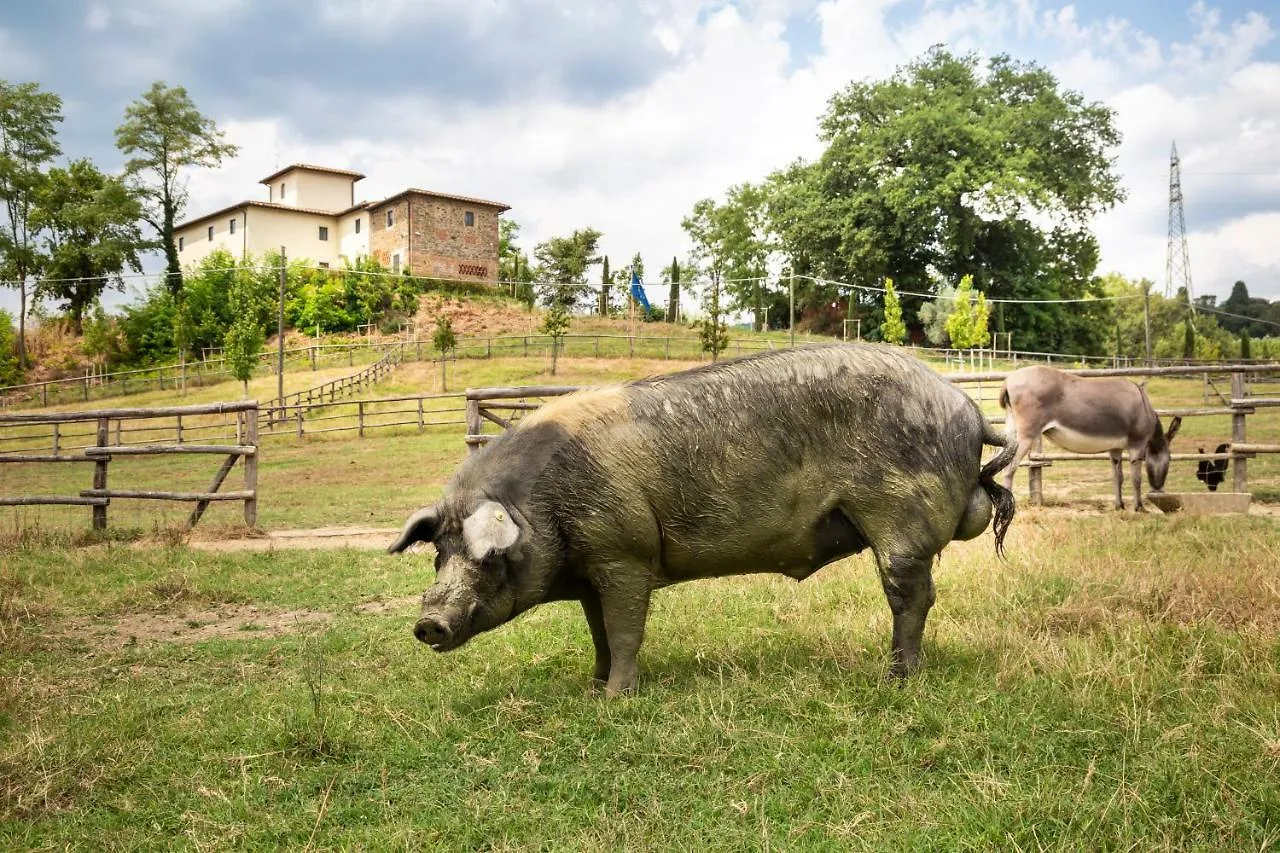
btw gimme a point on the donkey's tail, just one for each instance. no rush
(1001, 498)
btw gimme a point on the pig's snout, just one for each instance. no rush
(432, 631)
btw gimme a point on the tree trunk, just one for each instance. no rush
(673, 302)
(22, 321)
(173, 267)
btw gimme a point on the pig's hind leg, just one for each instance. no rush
(908, 585)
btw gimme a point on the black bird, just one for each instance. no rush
(1213, 471)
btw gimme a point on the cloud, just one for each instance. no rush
(622, 115)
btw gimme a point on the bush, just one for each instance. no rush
(10, 374)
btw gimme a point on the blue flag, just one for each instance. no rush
(637, 290)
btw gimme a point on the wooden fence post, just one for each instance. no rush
(251, 469)
(1241, 481)
(55, 438)
(1035, 475)
(179, 429)
(360, 417)
(421, 425)
(475, 422)
(100, 474)
(299, 419)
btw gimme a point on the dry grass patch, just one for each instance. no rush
(227, 621)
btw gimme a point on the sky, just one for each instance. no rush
(621, 115)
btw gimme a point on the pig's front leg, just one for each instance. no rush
(599, 637)
(624, 606)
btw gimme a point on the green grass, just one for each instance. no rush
(1111, 687)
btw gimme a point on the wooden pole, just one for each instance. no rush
(284, 274)
(1240, 482)
(793, 307)
(201, 506)
(1035, 476)
(100, 474)
(251, 469)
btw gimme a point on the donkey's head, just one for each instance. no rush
(1158, 453)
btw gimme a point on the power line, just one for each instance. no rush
(945, 296)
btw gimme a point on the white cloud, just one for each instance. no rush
(733, 108)
(16, 61)
(98, 17)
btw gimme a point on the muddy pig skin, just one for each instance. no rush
(780, 462)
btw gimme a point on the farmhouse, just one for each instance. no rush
(312, 212)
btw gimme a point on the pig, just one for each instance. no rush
(779, 462)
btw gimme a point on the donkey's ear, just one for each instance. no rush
(1174, 425)
(421, 527)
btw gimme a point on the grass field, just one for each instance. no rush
(1112, 686)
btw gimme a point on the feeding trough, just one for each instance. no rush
(1201, 503)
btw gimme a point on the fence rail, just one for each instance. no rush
(102, 451)
(201, 372)
(276, 410)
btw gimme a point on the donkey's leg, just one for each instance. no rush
(1135, 472)
(1025, 443)
(1117, 476)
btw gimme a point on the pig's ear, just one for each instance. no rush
(421, 527)
(490, 528)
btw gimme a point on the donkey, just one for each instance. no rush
(1089, 416)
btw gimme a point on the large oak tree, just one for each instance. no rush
(954, 166)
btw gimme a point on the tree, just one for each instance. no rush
(563, 263)
(556, 325)
(445, 341)
(952, 167)
(90, 222)
(243, 340)
(934, 313)
(605, 279)
(671, 275)
(892, 330)
(1188, 338)
(737, 234)
(1246, 349)
(968, 321)
(164, 135)
(28, 143)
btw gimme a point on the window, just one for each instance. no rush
(210, 232)
(324, 232)
(357, 225)
(477, 270)
(391, 218)
(395, 263)
(324, 265)
(231, 227)
(282, 190)
(469, 218)
(181, 240)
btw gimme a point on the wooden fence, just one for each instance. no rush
(102, 450)
(213, 368)
(277, 410)
(319, 417)
(503, 406)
